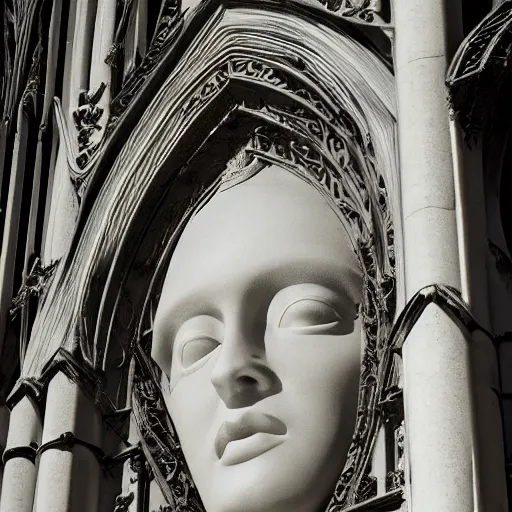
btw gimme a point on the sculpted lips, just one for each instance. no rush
(248, 424)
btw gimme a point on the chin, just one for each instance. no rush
(260, 500)
(255, 488)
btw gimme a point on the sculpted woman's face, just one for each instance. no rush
(257, 337)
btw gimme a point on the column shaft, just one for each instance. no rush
(438, 402)
(19, 478)
(68, 480)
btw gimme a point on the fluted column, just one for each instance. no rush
(19, 478)
(437, 390)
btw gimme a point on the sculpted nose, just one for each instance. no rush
(242, 377)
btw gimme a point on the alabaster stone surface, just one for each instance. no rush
(258, 337)
(317, 352)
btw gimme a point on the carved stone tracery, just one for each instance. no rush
(304, 128)
(168, 27)
(171, 24)
(311, 141)
(365, 10)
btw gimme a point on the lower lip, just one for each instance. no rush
(248, 448)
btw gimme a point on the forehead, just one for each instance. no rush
(273, 226)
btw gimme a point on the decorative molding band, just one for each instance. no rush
(68, 440)
(24, 452)
(173, 29)
(75, 369)
(449, 300)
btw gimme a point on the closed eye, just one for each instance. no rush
(196, 349)
(314, 316)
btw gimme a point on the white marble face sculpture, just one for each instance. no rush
(259, 343)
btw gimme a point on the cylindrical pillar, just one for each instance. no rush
(437, 391)
(68, 480)
(19, 479)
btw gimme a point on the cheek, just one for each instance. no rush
(320, 377)
(316, 362)
(192, 405)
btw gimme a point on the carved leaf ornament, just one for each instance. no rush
(292, 95)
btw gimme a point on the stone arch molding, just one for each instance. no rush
(310, 97)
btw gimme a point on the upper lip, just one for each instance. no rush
(246, 425)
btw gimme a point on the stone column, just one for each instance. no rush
(19, 478)
(438, 402)
(68, 480)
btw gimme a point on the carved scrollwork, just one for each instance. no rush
(135, 467)
(365, 10)
(260, 71)
(155, 427)
(168, 28)
(28, 100)
(123, 502)
(86, 118)
(34, 285)
(396, 479)
(209, 90)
